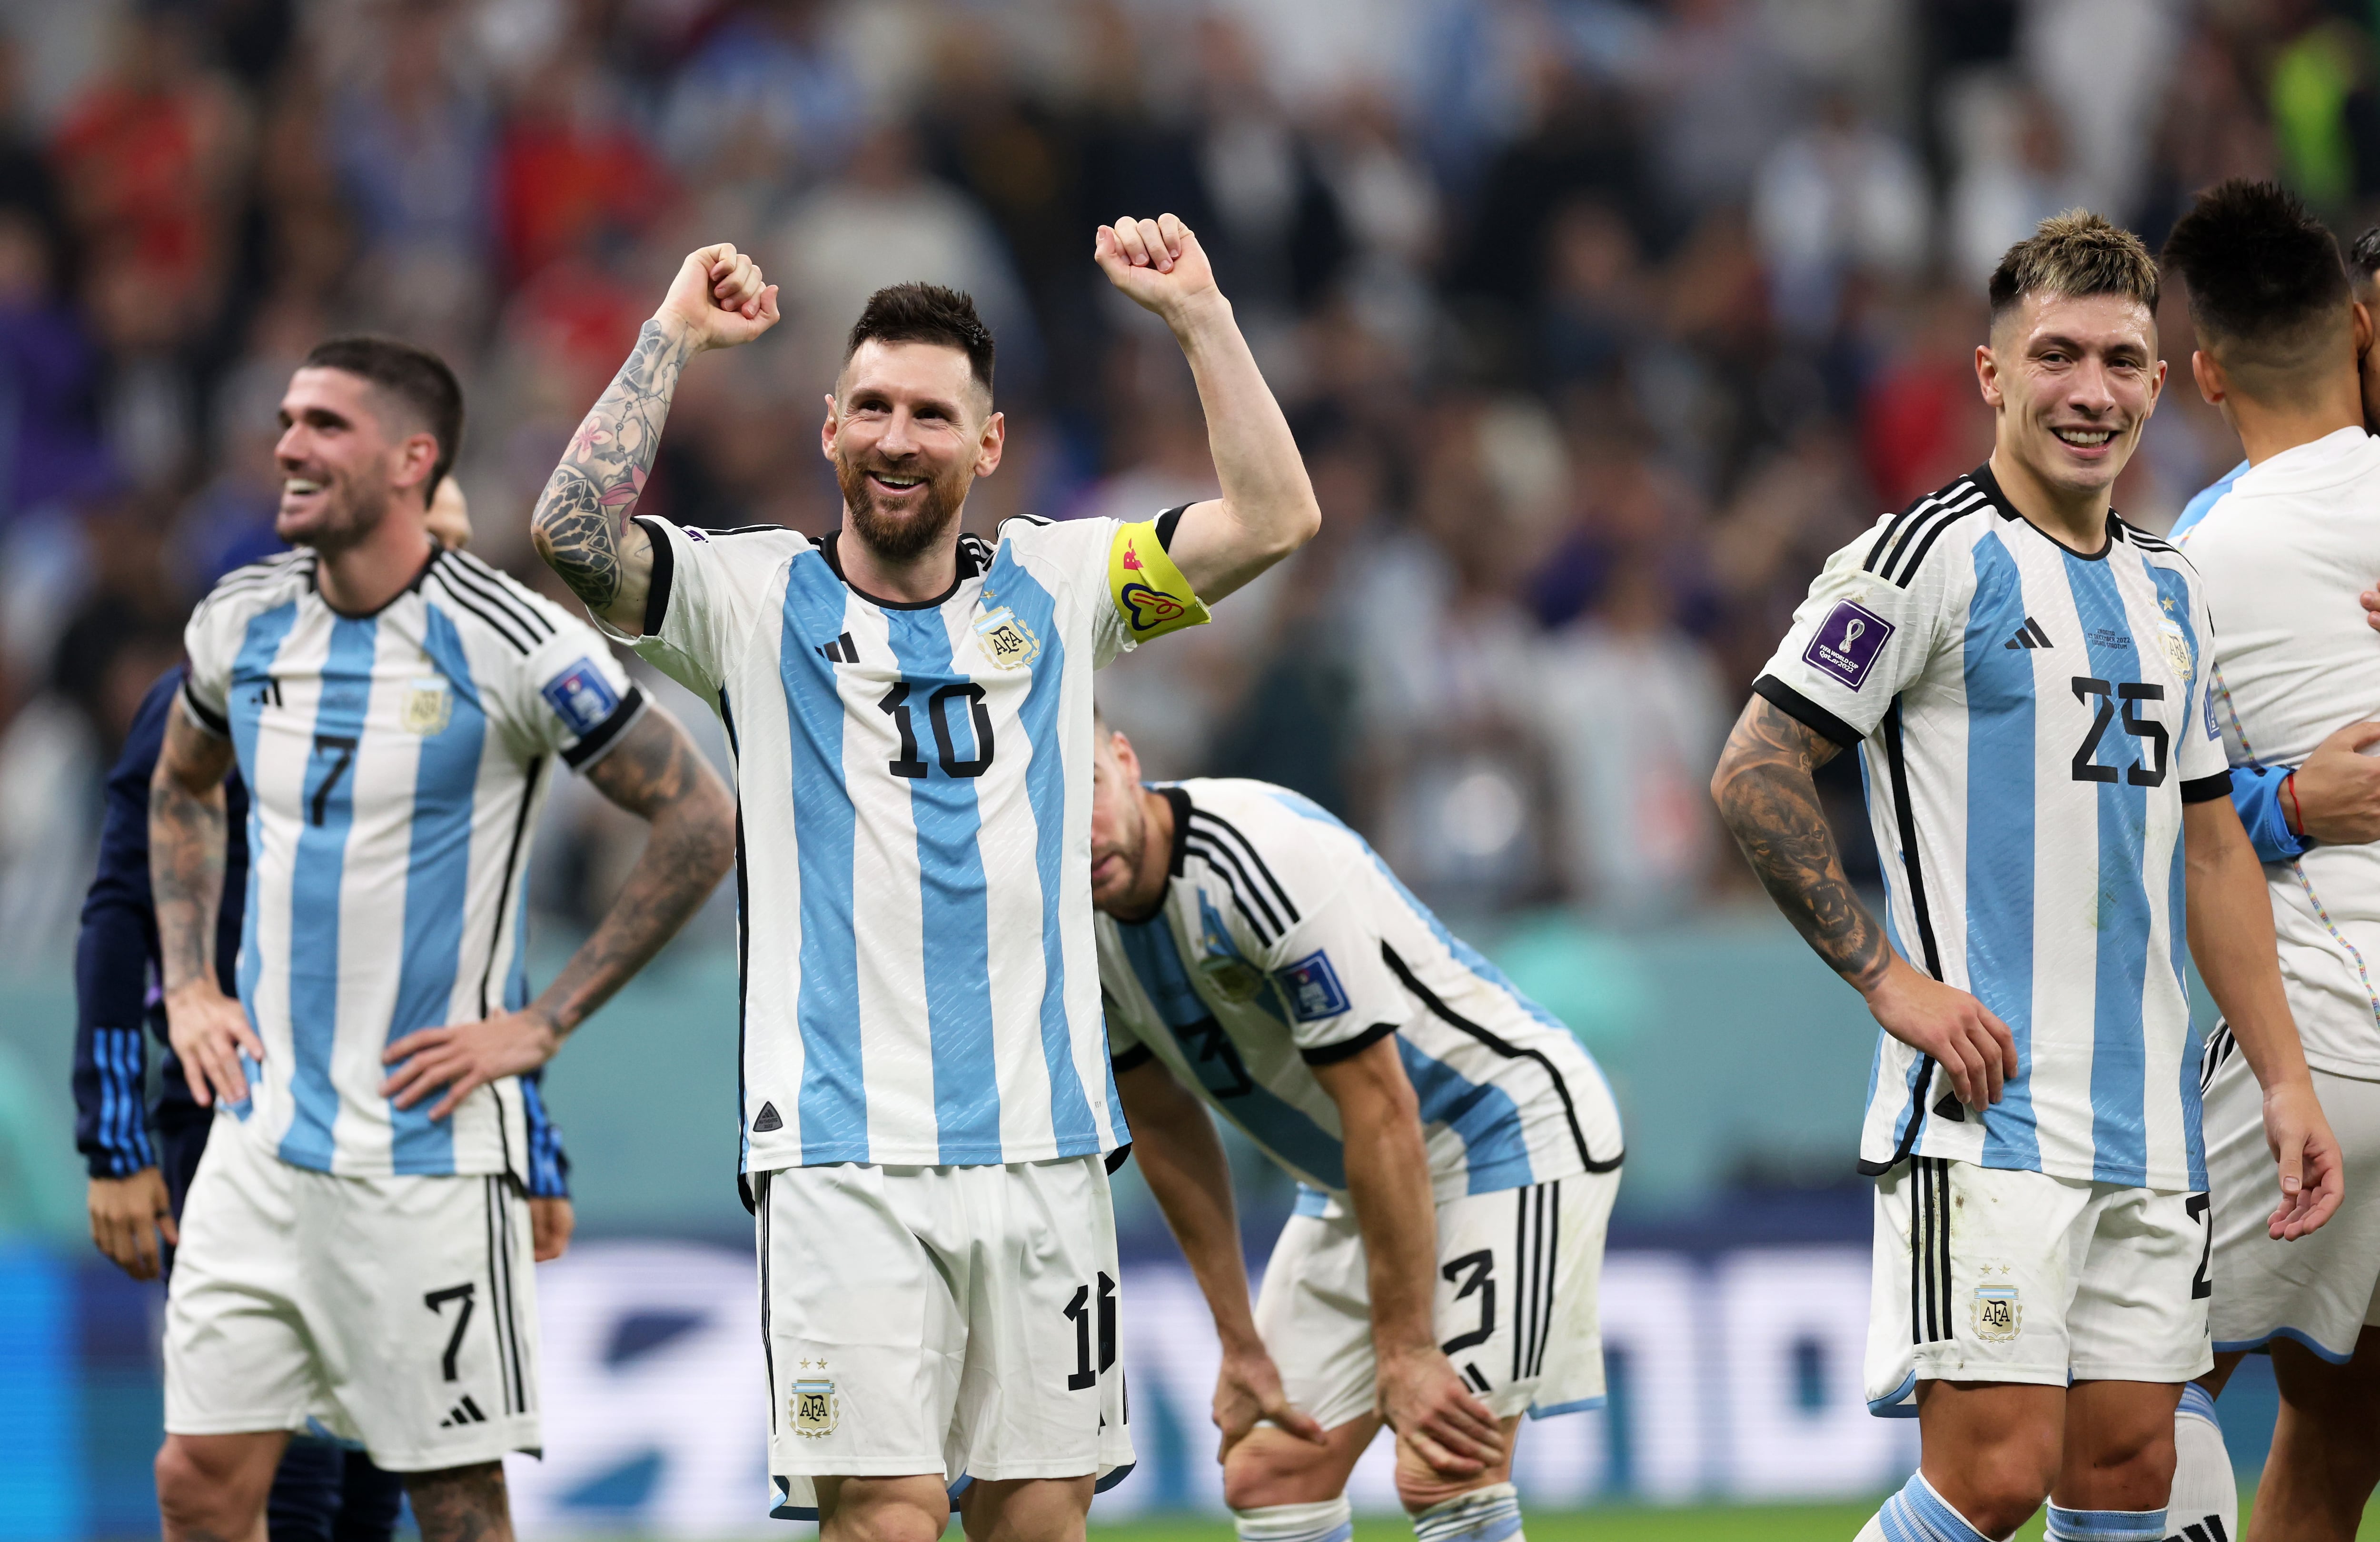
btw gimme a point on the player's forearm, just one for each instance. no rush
(186, 836)
(2230, 923)
(1267, 495)
(1388, 1182)
(1183, 1160)
(1769, 802)
(581, 524)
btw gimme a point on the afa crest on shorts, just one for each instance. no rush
(1999, 1315)
(812, 1410)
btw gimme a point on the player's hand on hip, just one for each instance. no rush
(551, 1222)
(2371, 598)
(1248, 1392)
(2311, 1171)
(126, 1216)
(464, 1057)
(1158, 263)
(1973, 1048)
(719, 298)
(2337, 792)
(210, 1031)
(1426, 1402)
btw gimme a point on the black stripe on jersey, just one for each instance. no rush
(463, 597)
(216, 724)
(256, 577)
(1932, 1314)
(657, 592)
(495, 1286)
(1553, 1273)
(1520, 1275)
(1166, 523)
(511, 1318)
(743, 964)
(1932, 534)
(1226, 865)
(595, 740)
(1232, 832)
(1131, 1058)
(1905, 819)
(2219, 1045)
(1804, 711)
(2207, 789)
(483, 580)
(1901, 522)
(1503, 1046)
(1910, 551)
(1347, 1049)
(512, 864)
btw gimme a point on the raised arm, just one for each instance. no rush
(1268, 509)
(656, 773)
(581, 524)
(1180, 1155)
(1767, 794)
(186, 836)
(2231, 942)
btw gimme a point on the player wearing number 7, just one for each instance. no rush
(925, 1102)
(2025, 677)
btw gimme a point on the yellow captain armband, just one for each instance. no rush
(1150, 592)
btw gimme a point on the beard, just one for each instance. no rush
(896, 539)
(346, 518)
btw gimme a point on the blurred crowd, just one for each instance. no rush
(1600, 321)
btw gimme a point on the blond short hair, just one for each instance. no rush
(2074, 254)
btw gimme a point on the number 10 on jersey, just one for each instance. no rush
(939, 705)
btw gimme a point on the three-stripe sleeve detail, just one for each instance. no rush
(1901, 551)
(500, 1294)
(1261, 899)
(2220, 1044)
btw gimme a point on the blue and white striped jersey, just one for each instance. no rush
(913, 873)
(1285, 943)
(395, 763)
(2030, 723)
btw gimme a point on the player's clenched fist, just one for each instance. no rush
(1973, 1048)
(1158, 263)
(719, 298)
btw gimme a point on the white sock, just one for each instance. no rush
(2105, 1526)
(2206, 1493)
(1329, 1521)
(1490, 1514)
(1919, 1514)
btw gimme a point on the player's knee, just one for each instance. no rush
(1258, 1474)
(201, 1490)
(874, 1511)
(1421, 1489)
(2005, 1486)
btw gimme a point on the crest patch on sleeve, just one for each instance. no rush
(1313, 989)
(580, 697)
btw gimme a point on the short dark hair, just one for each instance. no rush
(2265, 286)
(2363, 257)
(416, 377)
(926, 313)
(2074, 254)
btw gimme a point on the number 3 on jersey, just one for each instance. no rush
(900, 703)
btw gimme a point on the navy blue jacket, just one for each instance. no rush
(116, 970)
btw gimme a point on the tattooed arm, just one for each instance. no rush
(1767, 794)
(581, 526)
(186, 834)
(656, 773)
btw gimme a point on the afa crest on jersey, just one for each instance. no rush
(427, 708)
(1009, 641)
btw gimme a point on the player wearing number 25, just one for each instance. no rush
(925, 1103)
(2025, 677)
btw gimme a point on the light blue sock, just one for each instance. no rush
(1328, 1521)
(2105, 1526)
(1919, 1514)
(1490, 1514)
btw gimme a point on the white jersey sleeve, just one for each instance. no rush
(709, 590)
(1874, 618)
(1124, 574)
(214, 633)
(2201, 753)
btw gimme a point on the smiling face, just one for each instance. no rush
(344, 464)
(908, 430)
(2071, 380)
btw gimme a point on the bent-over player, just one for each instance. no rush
(926, 1102)
(2283, 551)
(2025, 677)
(1458, 1153)
(352, 1253)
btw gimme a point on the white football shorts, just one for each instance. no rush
(398, 1313)
(959, 1320)
(1517, 1278)
(2321, 1290)
(1993, 1274)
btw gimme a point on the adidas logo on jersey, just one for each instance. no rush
(769, 1119)
(464, 1413)
(842, 650)
(2030, 635)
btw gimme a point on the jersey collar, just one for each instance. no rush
(437, 554)
(1982, 477)
(973, 557)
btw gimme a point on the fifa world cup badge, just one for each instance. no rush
(429, 707)
(1009, 641)
(1999, 1316)
(813, 1408)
